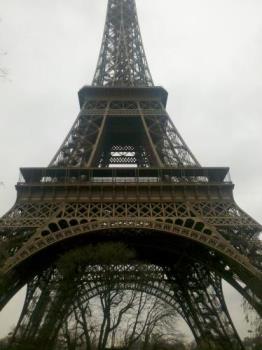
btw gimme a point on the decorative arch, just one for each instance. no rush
(193, 229)
(151, 279)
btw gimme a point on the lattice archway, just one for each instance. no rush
(193, 229)
(62, 230)
(154, 280)
(232, 263)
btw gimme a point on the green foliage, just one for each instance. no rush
(102, 254)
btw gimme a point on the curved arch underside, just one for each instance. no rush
(182, 219)
(188, 278)
(196, 295)
(193, 229)
(180, 244)
(231, 262)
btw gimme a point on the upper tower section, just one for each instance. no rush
(122, 60)
(123, 121)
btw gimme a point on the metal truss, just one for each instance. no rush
(179, 219)
(163, 192)
(122, 60)
(196, 295)
(200, 296)
(169, 144)
(222, 214)
(123, 132)
(146, 278)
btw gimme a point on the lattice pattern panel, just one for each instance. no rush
(201, 298)
(223, 213)
(123, 107)
(29, 215)
(78, 145)
(169, 144)
(56, 220)
(157, 133)
(219, 214)
(44, 290)
(197, 296)
(122, 60)
(111, 210)
(132, 155)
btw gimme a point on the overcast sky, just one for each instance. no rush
(206, 53)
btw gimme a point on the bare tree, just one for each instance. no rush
(91, 305)
(253, 319)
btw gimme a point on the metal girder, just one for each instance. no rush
(122, 60)
(200, 296)
(163, 192)
(112, 131)
(196, 295)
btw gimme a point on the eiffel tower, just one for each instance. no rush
(124, 173)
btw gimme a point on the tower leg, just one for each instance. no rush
(199, 293)
(38, 298)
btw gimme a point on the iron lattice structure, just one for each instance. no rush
(124, 173)
(122, 61)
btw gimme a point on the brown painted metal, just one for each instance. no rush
(123, 126)
(124, 172)
(122, 60)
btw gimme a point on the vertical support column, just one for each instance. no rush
(153, 150)
(98, 139)
(199, 293)
(46, 306)
(35, 307)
